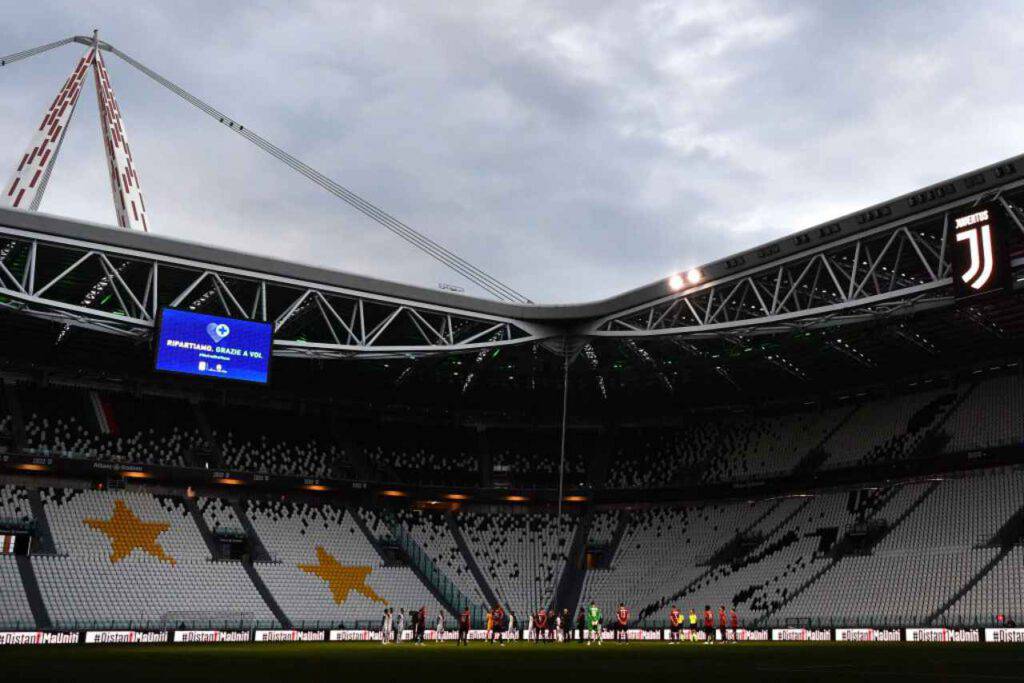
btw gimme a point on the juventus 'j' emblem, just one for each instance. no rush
(976, 230)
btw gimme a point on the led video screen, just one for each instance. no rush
(213, 346)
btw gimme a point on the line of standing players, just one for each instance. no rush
(728, 624)
(548, 625)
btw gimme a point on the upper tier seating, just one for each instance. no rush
(527, 458)
(723, 449)
(425, 454)
(77, 423)
(308, 458)
(887, 430)
(132, 558)
(991, 415)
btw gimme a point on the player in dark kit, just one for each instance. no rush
(540, 624)
(552, 625)
(709, 625)
(675, 618)
(499, 624)
(463, 628)
(621, 620)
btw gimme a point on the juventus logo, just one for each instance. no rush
(976, 230)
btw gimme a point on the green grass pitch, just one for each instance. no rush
(518, 662)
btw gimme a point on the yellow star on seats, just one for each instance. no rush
(341, 579)
(127, 532)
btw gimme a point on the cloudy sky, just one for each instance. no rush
(572, 149)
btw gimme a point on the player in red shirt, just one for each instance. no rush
(540, 624)
(709, 625)
(734, 621)
(621, 620)
(723, 622)
(499, 624)
(675, 618)
(463, 628)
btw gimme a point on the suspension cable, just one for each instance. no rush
(25, 54)
(397, 227)
(565, 426)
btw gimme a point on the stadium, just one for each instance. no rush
(806, 456)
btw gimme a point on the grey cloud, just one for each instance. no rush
(572, 149)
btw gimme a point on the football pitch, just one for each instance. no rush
(518, 662)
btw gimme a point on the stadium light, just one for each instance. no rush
(576, 499)
(392, 493)
(134, 474)
(694, 276)
(456, 496)
(516, 499)
(316, 487)
(31, 467)
(676, 282)
(228, 481)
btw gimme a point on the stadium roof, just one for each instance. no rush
(818, 342)
(908, 208)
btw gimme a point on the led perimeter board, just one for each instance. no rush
(213, 346)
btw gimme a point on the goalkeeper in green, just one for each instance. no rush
(594, 622)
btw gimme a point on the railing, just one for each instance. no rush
(426, 565)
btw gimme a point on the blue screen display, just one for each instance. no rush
(213, 346)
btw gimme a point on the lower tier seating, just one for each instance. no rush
(131, 558)
(326, 571)
(15, 613)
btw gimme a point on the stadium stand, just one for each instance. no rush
(659, 553)
(15, 612)
(717, 450)
(975, 425)
(75, 423)
(14, 506)
(525, 458)
(309, 458)
(602, 528)
(130, 558)
(1001, 591)
(753, 557)
(424, 454)
(887, 430)
(520, 554)
(430, 531)
(220, 517)
(325, 571)
(5, 432)
(937, 550)
(923, 562)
